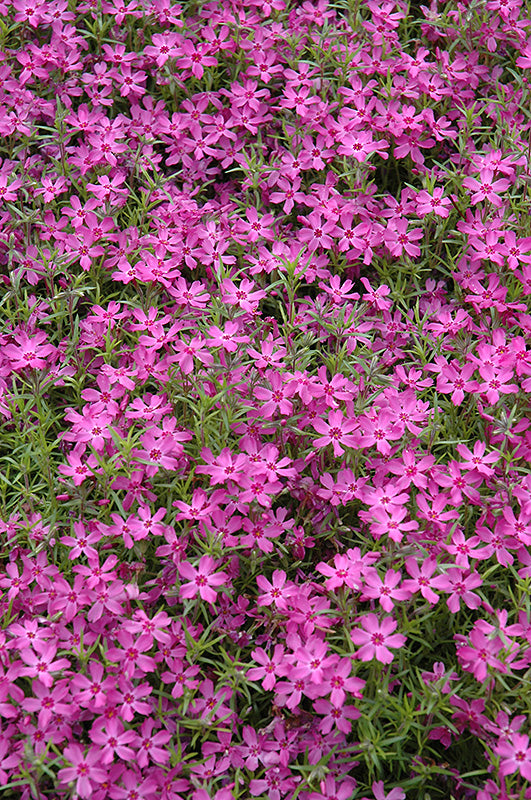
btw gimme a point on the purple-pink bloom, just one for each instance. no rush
(201, 579)
(84, 770)
(375, 638)
(337, 432)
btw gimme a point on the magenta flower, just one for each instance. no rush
(337, 432)
(330, 788)
(379, 792)
(195, 57)
(458, 583)
(316, 232)
(332, 716)
(42, 664)
(421, 578)
(90, 691)
(270, 667)
(256, 227)
(398, 238)
(480, 652)
(496, 381)
(30, 351)
(131, 653)
(48, 701)
(384, 590)
(150, 746)
(229, 338)
(261, 489)
(524, 60)
(515, 755)
(456, 379)
(187, 351)
(486, 188)
(84, 770)
(379, 429)
(114, 740)
(360, 145)
(311, 660)
(245, 295)
(339, 684)
(201, 580)
(277, 592)
(13, 581)
(81, 543)
(434, 203)
(277, 397)
(477, 460)
(8, 191)
(376, 638)
(376, 297)
(344, 572)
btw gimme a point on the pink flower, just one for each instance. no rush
(456, 379)
(458, 583)
(276, 592)
(187, 351)
(131, 653)
(376, 638)
(376, 297)
(277, 397)
(90, 691)
(332, 716)
(330, 788)
(524, 60)
(337, 682)
(29, 351)
(114, 740)
(420, 578)
(82, 542)
(42, 664)
(344, 572)
(229, 338)
(360, 145)
(13, 581)
(398, 238)
(84, 770)
(311, 660)
(202, 579)
(256, 227)
(150, 746)
(379, 792)
(8, 191)
(245, 295)
(316, 232)
(78, 467)
(337, 432)
(270, 666)
(48, 701)
(480, 652)
(477, 460)
(434, 203)
(379, 429)
(496, 381)
(515, 755)
(486, 188)
(195, 57)
(386, 590)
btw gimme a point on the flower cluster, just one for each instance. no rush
(265, 509)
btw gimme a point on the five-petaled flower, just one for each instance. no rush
(202, 579)
(375, 638)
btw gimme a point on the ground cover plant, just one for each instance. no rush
(265, 372)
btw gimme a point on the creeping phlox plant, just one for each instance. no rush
(265, 380)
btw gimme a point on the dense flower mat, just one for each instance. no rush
(265, 426)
